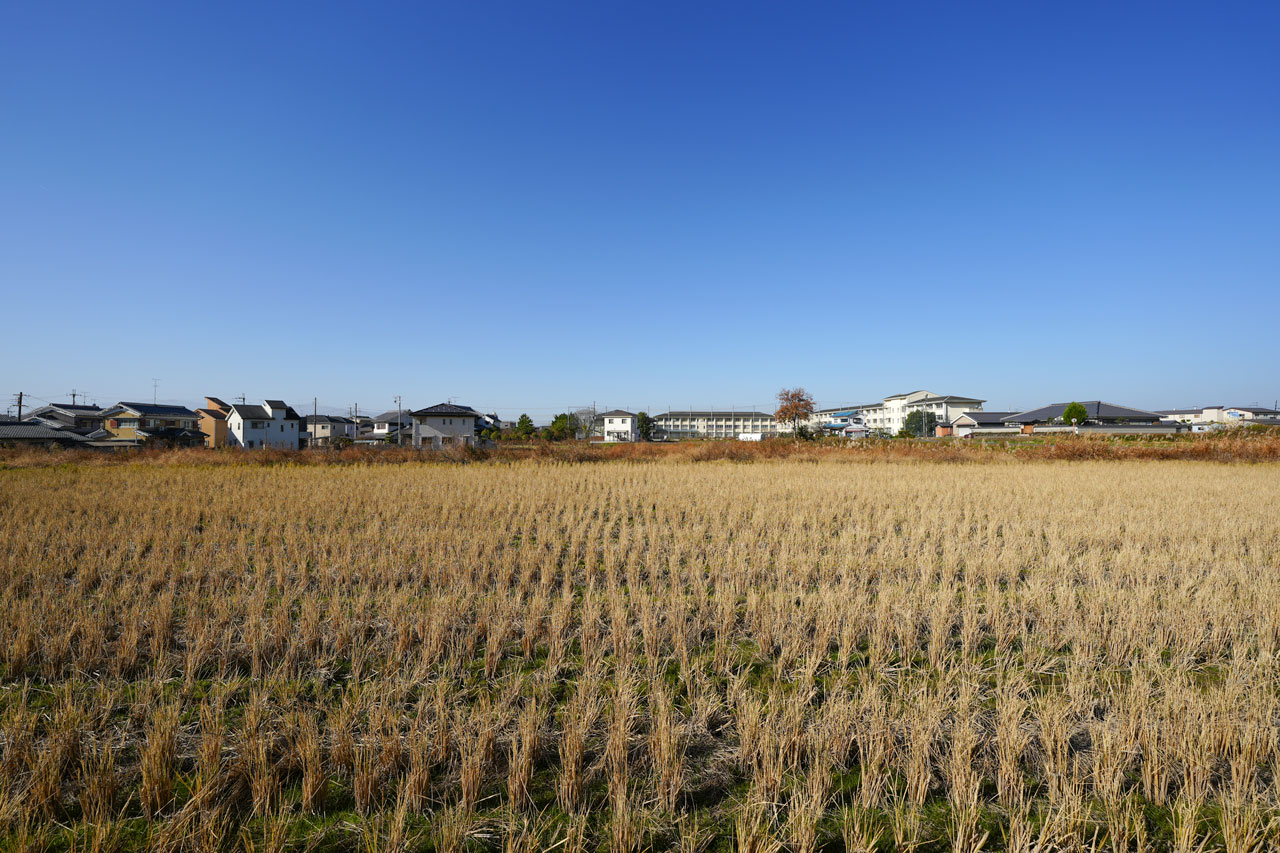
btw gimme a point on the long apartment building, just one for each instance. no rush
(891, 415)
(673, 425)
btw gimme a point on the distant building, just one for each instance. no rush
(323, 430)
(966, 423)
(1101, 417)
(392, 426)
(131, 424)
(273, 424)
(677, 425)
(1228, 415)
(444, 425)
(890, 416)
(213, 421)
(617, 425)
(67, 416)
(14, 432)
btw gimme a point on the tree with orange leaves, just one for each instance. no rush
(795, 407)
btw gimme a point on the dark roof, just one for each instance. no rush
(943, 398)
(1097, 409)
(11, 430)
(153, 410)
(261, 413)
(446, 409)
(216, 414)
(616, 413)
(327, 419)
(390, 417)
(68, 408)
(277, 404)
(1180, 411)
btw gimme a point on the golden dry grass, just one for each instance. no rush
(794, 654)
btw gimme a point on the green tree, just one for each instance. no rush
(524, 426)
(920, 424)
(563, 426)
(644, 426)
(1075, 412)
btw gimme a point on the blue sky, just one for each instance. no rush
(526, 206)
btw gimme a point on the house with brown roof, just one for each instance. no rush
(213, 422)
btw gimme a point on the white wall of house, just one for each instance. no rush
(620, 428)
(438, 431)
(258, 432)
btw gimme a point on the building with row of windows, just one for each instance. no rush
(676, 425)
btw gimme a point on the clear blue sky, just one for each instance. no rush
(525, 206)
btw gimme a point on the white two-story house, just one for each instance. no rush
(273, 424)
(618, 425)
(444, 425)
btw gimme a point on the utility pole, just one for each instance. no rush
(155, 385)
(399, 424)
(19, 405)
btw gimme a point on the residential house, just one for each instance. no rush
(890, 416)
(14, 432)
(273, 424)
(967, 423)
(392, 427)
(617, 425)
(213, 421)
(324, 430)
(846, 421)
(67, 416)
(444, 425)
(130, 424)
(680, 425)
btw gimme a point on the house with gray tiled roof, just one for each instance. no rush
(444, 425)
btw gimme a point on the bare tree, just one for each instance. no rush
(585, 422)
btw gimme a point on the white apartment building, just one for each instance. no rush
(1221, 414)
(673, 426)
(444, 424)
(891, 415)
(618, 425)
(273, 424)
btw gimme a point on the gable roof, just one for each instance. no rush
(405, 416)
(984, 418)
(152, 410)
(13, 430)
(616, 413)
(1097, 410)
(446, 409)
(949, 398)
(67, 408)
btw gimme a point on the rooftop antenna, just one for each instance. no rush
(74, 392)
(155, 385)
